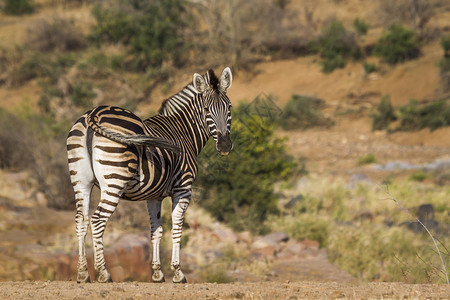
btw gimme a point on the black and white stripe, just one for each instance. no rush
(147, 160)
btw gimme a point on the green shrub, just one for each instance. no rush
(239, 189)
(360, 26)
(398, 45)
(302, 112)
(369, 68)
(444, 65)
(18, 7)
(152, 30)
(367, 159)
(82, 94)
(418, 176)
(332, 62)
(445, 43)
(335, 45)
(415, 117)
(385, 114)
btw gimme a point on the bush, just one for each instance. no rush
(32, 142)
(412, 116)
(302, 112)
(385, 114)
(360, 26)
(55, 34)
(238, 189)
(15, 149)
(415, 117)
(335, 45)
(153, 30)
(369, 68)
(367, 159)
(399, 44)
(444, 64)
(82, 94)
(18, 7)
(445, 43)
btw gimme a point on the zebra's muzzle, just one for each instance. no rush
(224, 144)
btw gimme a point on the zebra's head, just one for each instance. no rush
(216, 107)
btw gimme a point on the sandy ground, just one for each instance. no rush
(259, 290)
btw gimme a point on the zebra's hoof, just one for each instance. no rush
(83, 277)
(104, 277)
(179, 277)
(158, 276)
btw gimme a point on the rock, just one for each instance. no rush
(267, 252)
(225, 235)
(111, 258)
(277, 237)
(245, 236)
(117, 273)
(272, 239)
(310, 244)
(425, 212)
(134, 252)
(295, 248)
(292, 250)
(41, 199)
(262, 243)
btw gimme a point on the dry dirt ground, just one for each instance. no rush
(332, 150)
(257, 290)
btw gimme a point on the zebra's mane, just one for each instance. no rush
(183, 98)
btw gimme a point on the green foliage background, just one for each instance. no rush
(151, 29)
(239, 189)
(397, 45)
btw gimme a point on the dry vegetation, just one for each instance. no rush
(57, 62)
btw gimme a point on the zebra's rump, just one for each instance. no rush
(122, 126)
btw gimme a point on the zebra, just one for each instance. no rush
(131, 159)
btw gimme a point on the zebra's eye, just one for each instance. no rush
(207, 109)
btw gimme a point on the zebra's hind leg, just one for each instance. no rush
(82, 196)
(179, 207)
(82, 178)
(105, 209)
(156, 232)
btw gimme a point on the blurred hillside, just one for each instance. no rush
(352, 94)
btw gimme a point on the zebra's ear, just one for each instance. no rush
(226, 79)
(199, 83)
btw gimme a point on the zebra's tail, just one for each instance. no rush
(132, 139)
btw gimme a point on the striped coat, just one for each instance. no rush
(136, 160)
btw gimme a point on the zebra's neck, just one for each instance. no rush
(187, 108)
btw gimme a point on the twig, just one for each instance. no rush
(423, 225)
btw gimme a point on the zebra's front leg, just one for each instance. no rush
(179, 207)
(156, 232)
